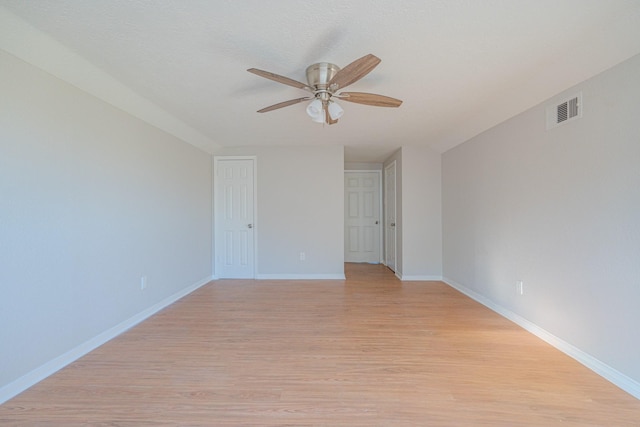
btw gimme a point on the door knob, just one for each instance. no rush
(250, 225)
(377, 222)
(393, 224)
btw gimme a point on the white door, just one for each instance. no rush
(234, 218)
(390, 215)
(362, 216)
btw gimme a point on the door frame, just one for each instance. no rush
(380, 210)
(395, 215)
(214, 234)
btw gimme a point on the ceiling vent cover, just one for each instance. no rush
(565, 111)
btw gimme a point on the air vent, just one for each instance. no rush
(565, 111)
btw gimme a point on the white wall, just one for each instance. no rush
(300, 209)
(362, 166)
(91, 199)
(421, 214)
(418, 213)
(559, 210)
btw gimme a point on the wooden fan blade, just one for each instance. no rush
(278, 78)
(284, 104)
(327, 116)
(369, 99)
(354, 71)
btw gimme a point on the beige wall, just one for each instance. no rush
(91, 200)
(560, 211)
(300, 193)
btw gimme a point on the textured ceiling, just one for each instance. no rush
(460, 67)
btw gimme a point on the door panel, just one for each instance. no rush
(390, 216)
(234, 218)
(362, 217)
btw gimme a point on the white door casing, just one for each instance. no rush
(234, 217)
(362, 216)
(390, 215)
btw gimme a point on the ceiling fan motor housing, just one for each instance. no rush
(319, 75)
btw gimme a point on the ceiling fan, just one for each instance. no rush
(324, 81)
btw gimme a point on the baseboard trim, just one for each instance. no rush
(300, 277)
(420, 278)
(607, 372)
(21, 384)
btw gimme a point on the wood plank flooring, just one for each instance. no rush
(368, 351)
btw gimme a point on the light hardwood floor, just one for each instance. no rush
(368, 351)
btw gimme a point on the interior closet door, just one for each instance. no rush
(390, 216)
(362, 216)
(234, 218)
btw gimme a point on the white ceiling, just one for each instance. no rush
(460, 66)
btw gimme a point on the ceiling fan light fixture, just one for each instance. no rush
(314, 110)
(335, 110)
(318, 119)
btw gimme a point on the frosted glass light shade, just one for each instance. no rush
(335, 111)
(314, 109)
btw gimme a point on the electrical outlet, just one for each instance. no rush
(303, 256)
(143, 283)
(520, 287)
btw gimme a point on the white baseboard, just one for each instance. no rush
(21, 384)
(405, 278)
(300, 277)
(617, 378)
